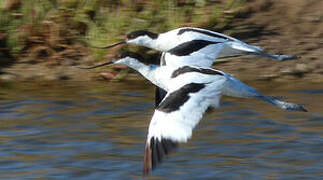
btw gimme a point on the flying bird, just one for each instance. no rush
(196, 41)
(191, 90)
(193, 47)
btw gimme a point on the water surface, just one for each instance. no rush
(98, 131)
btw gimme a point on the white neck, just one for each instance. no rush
(151, 72)
(140, 67)
(152, 43)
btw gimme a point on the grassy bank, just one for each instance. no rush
(52, 29)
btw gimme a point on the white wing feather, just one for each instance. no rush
(178, 125)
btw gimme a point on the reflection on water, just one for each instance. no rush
(97, 131)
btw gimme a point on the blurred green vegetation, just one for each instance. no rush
(49, 27)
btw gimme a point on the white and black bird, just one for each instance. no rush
(190, 91)
(193, 47)
(196, 42)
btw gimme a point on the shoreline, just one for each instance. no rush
(296, 32)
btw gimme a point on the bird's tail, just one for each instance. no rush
(256, 50)
(282, 104)
(279, 57)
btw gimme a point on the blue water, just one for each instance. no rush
(98, 131)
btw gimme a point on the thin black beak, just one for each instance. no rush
(99, 65)
(110, 46)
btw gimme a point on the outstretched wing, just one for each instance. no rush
(174, 120)
(235, 88)
(233, 47)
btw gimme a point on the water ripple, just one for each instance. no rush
(74, 132)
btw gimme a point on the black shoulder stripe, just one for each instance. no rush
(189, 47)
(181, 31)
(187, 69)
(177, 98)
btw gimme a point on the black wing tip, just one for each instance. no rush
(283, 57)
(297, 107)
(301, 108)
(147, 160)
(155, 151)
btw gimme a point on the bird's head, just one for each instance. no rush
(141, 37)
(127, 58)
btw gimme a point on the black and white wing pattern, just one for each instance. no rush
(175, 118)
(194, 53)
(191, 33)
(226, 46)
